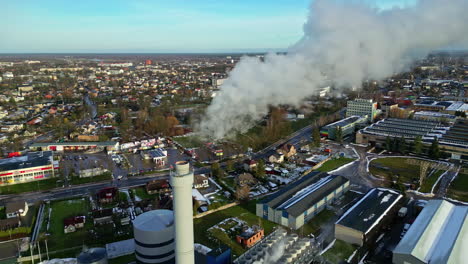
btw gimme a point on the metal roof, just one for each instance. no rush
(31, 159)
(439, 234)
(370, 210)
(304, 193)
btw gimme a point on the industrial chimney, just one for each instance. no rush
(181, 182)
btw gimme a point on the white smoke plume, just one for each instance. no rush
(344, 43)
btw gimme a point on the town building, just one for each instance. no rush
(107, 195)
(32, 166)
(250, 236)
(158, 156)
(347, 126)
(362, 222)
(298, 202)
(362, 107)
(438, 235)
(71, 224)
(434, 116)
(250, 165)
(75, 146)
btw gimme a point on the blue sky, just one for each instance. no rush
(153, 25)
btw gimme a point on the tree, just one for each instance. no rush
(395, 145)
(229, 165)
(417, 145)
(339, 134)
(316, 137)
(403, 148)
(388, 144)
(216, 170)
(434, 151)
(260, 170)
(242, 192)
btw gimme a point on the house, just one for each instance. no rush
(107, 195)
(158, 187)
(250, 165)
(16, 209)
(276, 158)
(200, 181)
(246, 179)
(9, 223)
(250, 236)
(72, 223)
(288, 150)
(103, 216)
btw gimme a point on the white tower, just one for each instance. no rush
(181, 182)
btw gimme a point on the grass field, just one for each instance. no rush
(426, 187)
(103, 177)
(334, 164)
(245, 212)
(458, 189)
(340, 251)
(388, 168)
(189, 141)
(64, 209)
(142, 194)
(41, 185)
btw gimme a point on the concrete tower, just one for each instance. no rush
(181, 182)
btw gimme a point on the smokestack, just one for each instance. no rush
(181, 182)
(344, 44)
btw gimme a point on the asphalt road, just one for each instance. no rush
(85, 189)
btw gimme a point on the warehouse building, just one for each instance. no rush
(297, 203)
(362, 107)
(362, 222)
(453, 139)
(438, 235)
(347, 125)
(32, 166)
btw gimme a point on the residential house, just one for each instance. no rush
(16, 209)
(158, 187)
(103, 216)
(250, 165)
(276, 158)
(107, 195)
(72, 223)
(288, 150)
(200, 181)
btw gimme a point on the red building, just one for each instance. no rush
(250, 236)
(148, 62)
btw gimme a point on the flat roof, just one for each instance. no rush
(344, 122)
(438, 235)
(31, 159)
(154, 220)
(47, 144)
(304, 193)
(370, 210)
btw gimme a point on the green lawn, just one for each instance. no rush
(389, 167)
(426, 187)
(334, 164)
(189, 141)
(245, 212)
(340, 251)
(142, 194)
(41, 185)
(314, 225)
(64, 209)
(103, 177)
(458, 189)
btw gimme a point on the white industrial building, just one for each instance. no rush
(362, 107)
(154, 237)
(438, 235)
(297, 203)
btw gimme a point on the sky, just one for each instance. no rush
(55, 26)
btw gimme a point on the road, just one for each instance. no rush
(85, 189)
